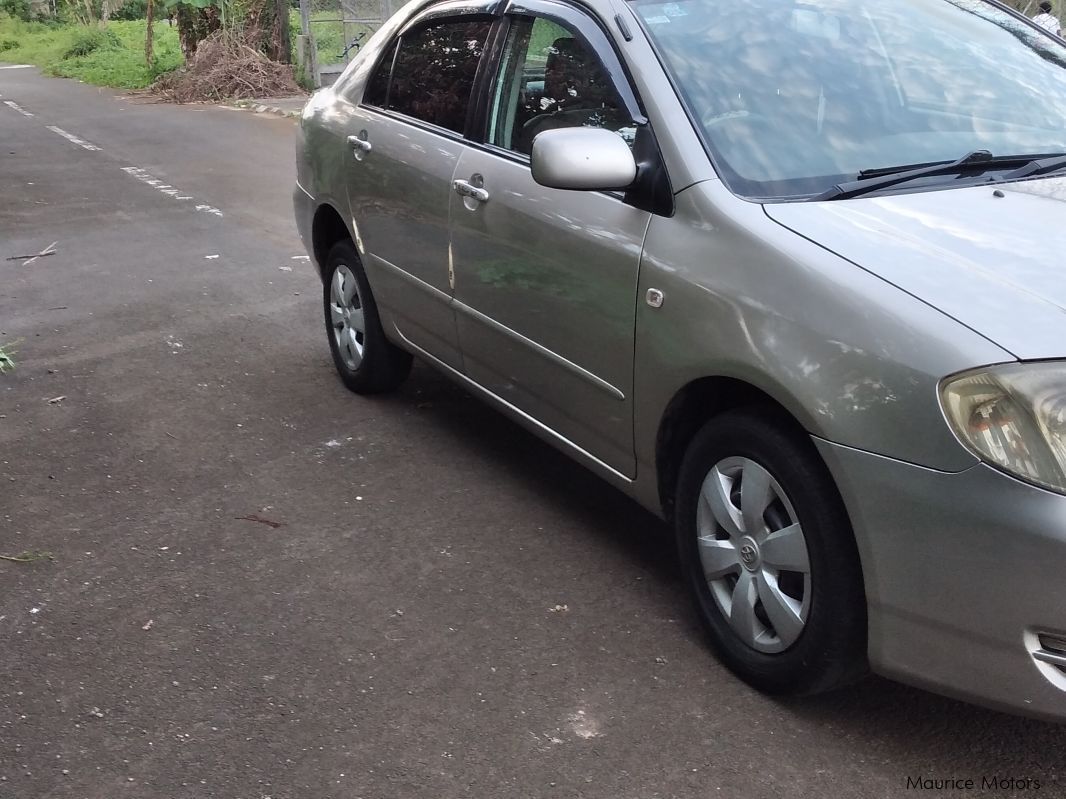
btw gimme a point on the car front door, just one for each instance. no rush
(546, 279)
(405, 138)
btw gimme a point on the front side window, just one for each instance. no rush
(550, 78)
(793, 96)
(433, 74)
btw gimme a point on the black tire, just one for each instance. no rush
(382, 366)
(830, 649)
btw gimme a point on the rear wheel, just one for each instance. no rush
(367, 362)
(769, 555)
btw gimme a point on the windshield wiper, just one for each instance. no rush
(873, 179)
(1038, 166)
(870, 180)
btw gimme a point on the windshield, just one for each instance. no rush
(793, 96)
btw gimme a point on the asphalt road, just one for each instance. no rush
(447, 606)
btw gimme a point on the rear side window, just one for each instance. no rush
(433, 73)
(377, 88)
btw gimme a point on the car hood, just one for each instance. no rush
(993, 258)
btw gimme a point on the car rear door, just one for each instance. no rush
(404, 142)
(546, 279)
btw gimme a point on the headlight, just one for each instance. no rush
(1013, 417)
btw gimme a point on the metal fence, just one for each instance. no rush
(334, 30)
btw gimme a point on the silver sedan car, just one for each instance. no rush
(790, 273)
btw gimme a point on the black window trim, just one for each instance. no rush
(453, 9)
(393, 48)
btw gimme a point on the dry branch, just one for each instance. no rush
(227, 67)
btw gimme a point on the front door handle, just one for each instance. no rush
(360, 142)
(468, 189)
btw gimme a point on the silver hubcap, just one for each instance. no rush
(346, 316)
(754, 554)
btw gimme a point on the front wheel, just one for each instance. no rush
(769, 555)
(367, 362)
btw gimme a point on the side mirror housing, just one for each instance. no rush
(583, 159)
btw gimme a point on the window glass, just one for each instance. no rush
(549, 78)
(434, 71)
(795, 95)
(378, 86)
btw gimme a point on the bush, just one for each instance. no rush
(91, 39)
(8, 44)
(132, 9)
(19, 9)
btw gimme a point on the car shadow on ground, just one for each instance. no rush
(569, 486)
(897, 722)
(927, 736)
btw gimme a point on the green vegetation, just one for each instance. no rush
(29, 556)
(20, 9)
(330, 36)
(89, 40)
(6, 361)
(111, 56)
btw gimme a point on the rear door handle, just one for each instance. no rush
(360, 142)
(468, 189)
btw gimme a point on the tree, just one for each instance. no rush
(195, 21)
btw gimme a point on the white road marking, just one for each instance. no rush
(17, 107)
(135, 171)
(17, 66)
(148, 179)
(72, 138)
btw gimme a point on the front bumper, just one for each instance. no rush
(964, 579)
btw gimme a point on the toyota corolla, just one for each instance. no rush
(788, 272)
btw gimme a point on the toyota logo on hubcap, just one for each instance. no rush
(749, 554)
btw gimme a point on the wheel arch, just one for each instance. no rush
(692, 406)
(327, 229)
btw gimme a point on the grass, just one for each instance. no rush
(29, 556)
(110, 57)
(7, 355)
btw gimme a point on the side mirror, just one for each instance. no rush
(582, 158)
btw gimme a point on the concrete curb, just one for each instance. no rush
(263, 108)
